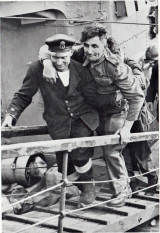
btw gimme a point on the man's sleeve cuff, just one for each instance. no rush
(13, 113)
(128, 124)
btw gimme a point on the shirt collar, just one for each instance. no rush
(102, 58)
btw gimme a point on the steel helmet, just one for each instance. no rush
(151, 53)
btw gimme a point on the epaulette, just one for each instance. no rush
(113, 59)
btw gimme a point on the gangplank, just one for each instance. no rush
(64, 216)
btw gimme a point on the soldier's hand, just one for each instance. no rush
(119, 96)
(7, 121)
(150, 106)
(124, 134)
(120, 69)
(49, 72)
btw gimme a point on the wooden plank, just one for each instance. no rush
(129, 202)
(80, 224)
(147, 198)
(102, 208)
(27, 149)
(106, 213)
(67, 221)
(133, 203)
(74, 215)
(88, 227)
(88, 213)
(131, 221)
(46, 224)
(8, 226)
(18, 131)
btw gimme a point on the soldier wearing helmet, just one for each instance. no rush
(152, 91)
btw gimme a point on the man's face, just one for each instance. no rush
(62, 61)
(94, 48)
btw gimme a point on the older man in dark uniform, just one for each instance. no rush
(66, 112)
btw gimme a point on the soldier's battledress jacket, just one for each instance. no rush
(61, 104)
(109, 82)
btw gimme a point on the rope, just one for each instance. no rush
(107, 181)
(104, 202)
(75, 21)
(34, 195)
(79, 209)
(132, 37)
(22, 194)
(24, 168)
(69, 182)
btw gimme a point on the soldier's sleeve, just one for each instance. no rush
(130, 88)
(44, 53)
(137, 71)
(78, 55)
(23, 97)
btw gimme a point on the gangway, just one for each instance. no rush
(64, 216)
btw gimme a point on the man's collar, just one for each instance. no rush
(86, 62)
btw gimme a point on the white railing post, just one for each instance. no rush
(63, 192)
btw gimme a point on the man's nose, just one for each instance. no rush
(59, 61)
(89, 49)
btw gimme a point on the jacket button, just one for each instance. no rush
(69, 108)
(66, 101)
(71, 114)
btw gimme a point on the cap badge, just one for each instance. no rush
(62, 45)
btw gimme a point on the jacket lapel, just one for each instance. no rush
(74, 79)
(60, 85)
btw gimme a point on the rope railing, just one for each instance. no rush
(69, 182)
(108, 181)
(107, 201)
(66, 145)
(23, 168)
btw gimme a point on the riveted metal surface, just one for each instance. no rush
(70, 9)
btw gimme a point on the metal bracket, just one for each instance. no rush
(101, 7)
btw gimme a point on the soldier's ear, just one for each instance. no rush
(72, 52)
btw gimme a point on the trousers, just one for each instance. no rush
(115, 165)
(137, 155)
(80, 156)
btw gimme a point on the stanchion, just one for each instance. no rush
(63, 193)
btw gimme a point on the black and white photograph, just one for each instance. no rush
(79, 116)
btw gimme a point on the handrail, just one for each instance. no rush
(18, 131)
(30, 148)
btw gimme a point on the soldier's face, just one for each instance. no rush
(61, 62)
(94, 48)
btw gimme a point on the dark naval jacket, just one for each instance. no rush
(61, 104)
